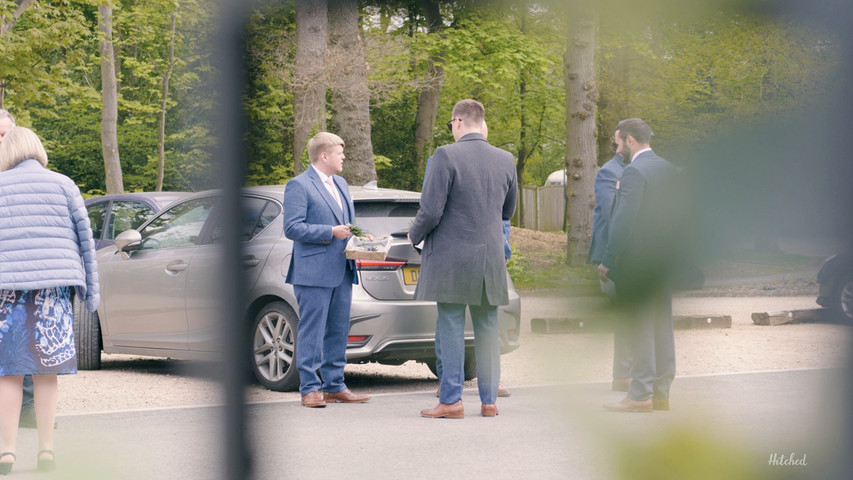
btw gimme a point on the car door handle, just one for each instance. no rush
(176, 266)
(250, 261)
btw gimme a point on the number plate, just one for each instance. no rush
(410, 275)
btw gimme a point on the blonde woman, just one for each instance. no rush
(46, 250)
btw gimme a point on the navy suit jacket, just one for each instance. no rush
(310, 212)
(605, 192)
(641, 245)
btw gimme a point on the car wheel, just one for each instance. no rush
(844, 299)
(87, 336)
(470, 366)
(274, 347)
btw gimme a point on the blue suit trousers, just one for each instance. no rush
(321, 336)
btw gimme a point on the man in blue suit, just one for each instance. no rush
(606, 181)
(639, 259)
(317, 209)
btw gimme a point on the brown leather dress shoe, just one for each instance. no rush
(445, 410)
(660, 403)
(489, 410)
(629, 405)
(345, 396)
(313, 400)
(620, 384)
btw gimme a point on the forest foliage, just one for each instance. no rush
(686, 74)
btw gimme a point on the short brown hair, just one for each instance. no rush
(636, 128)
(19, 144)
(322, 142)
(470, 111)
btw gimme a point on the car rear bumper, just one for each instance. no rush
(395, 332)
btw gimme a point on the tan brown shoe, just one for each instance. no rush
(445, 410)
(313, 400)
(629, 405)
(345, 396)
(489, 410)
(660, 403)
(620, 384)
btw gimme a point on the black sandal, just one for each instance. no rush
(6, 467)
(46, 465)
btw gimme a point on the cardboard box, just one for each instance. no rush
(360, 248)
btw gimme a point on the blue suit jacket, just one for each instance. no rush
(605, 192)
(310, 212)
(642, 243)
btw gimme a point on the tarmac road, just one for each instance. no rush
(735, 426)
(741, 395)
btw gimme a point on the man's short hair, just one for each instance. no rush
(636, 128)
(19, 144)
(322, 142)
(470, 111)
(6, 114)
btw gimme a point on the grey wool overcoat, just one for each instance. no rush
(471, 188)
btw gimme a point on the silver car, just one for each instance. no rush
(158, 282)
(115, 213)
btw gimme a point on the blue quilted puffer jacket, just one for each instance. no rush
(45, 236)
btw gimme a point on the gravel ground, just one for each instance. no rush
(128, 382)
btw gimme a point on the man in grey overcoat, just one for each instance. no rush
(471, 188)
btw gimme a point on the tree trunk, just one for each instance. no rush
(309, 79)
(430, 93)
(109, 92)
(581, 151)
(161, 136)
(347, 69)
(20, 7)
(522, 134)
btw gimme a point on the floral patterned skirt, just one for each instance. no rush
(36, 335)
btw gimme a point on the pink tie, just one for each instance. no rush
(335, 192)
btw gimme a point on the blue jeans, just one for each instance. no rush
(321, 339)
(450, 336)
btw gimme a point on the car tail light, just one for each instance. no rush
(379, 265)
(355, 341)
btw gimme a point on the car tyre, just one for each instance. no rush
(470, 366)
(843, 299)
(87, 336)
(274, 347)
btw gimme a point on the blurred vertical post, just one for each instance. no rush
(231, 158)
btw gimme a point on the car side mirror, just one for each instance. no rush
(128, 241)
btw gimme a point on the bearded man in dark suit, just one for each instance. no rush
(641, 251)
(471, 188)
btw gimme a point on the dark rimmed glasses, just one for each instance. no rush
(450, 124)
